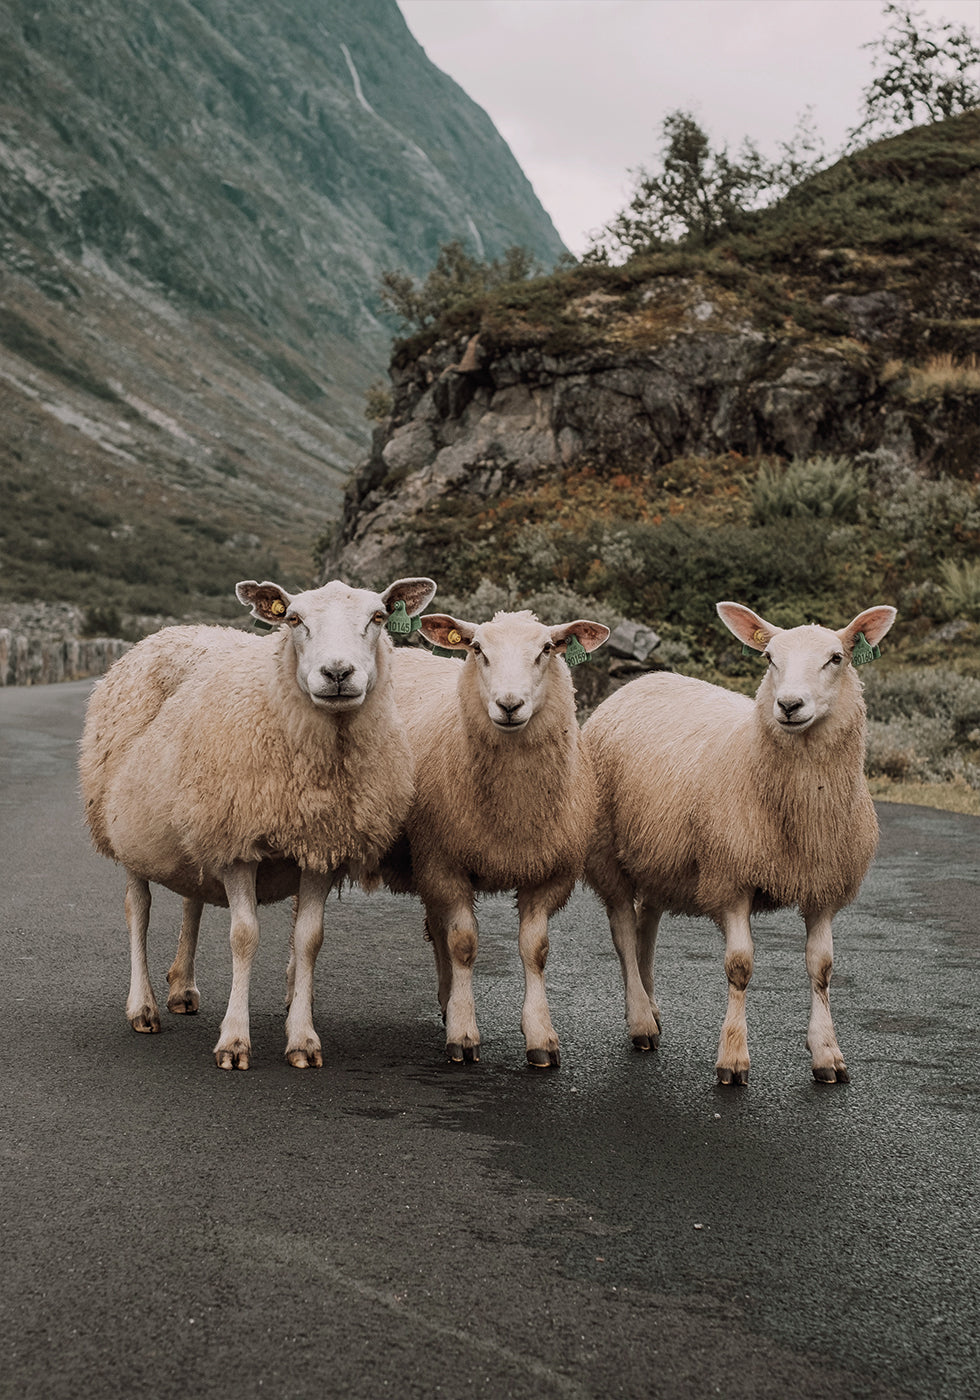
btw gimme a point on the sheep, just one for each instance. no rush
(239, 769)
(505, 800)
(713, 805)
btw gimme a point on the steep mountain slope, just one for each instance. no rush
(196, 203)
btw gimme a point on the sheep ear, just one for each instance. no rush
(444, 631)
(873, 622)
(415, 593)
(588, 634)
(267, 601)
(751, 630)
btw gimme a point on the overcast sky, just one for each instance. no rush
(578, 88)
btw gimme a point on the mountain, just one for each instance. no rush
(197, 201)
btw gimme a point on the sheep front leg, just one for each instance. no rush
(732, 1066)
(302, 1042)
(184, 998)
(234, 1045)
(821, 1039)
(142, 1010)
(453, 929)
(533, 909)
(634, 935)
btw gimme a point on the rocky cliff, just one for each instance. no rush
(812, 335)
(197, 201)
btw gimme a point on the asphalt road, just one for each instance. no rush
(394, 1225)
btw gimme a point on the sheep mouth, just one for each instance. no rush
(510, 723)
(337, 699)
(796, 723)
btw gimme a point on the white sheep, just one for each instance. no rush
(505, 799)
(240, 769)
(711, 804)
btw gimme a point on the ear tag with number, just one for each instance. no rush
(575, 652)
(864, 652)
(399, 624)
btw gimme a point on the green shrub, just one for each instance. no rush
(812, 488)
(960, 588)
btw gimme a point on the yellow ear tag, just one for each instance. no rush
(759, 636)
(277, 607)
(452, 636)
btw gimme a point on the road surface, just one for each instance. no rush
(392, 1224)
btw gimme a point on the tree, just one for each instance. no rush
(455, 277)
(698, 194)
(927, 72)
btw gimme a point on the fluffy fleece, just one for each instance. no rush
(505, 800)
(717, 805)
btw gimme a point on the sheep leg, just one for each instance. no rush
(302, 1041)
(539, 1034)
(291, 965)
(453, 930)
(821, 1039)
(732, 1066)
(184, 998)
(142, 1010)
(634, 943)
(444, 968)
(234, 1046)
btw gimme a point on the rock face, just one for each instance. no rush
(197, 201)
(798, 341)
(489, 427)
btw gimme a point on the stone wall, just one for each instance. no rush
(32, 660)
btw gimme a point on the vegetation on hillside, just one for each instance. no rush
(777, 246)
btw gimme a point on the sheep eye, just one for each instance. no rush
(836, 659)
(767, 658)
(293, 620)
(547, 649)
(476, 649)
(380, 617)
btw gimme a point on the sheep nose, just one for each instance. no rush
(790, 707)
(336, 671)
(509, 707)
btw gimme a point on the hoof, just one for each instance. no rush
(646, 1042)
(146, 1022)
(234, 1057)
(183, 1003)
(736, 1077)
(827, 1074)
(305, 1059)
(456, 1054)
(543, 1059)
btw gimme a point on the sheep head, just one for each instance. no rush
(808, 666)
(512, 656)
(335, 632)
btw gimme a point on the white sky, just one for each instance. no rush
(578, 88)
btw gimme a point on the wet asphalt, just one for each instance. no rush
(392, 1224)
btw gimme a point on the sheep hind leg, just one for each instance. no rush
(184, 998)
(732, 1066)
(444, 966)
(142, 1010)
(634, 937)
(539, 1034)
(234, 1045)
(821, 1040)
(454, 934)
(303, 1049)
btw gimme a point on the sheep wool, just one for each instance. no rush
(281, 758)
(714, 804)
(505, 799)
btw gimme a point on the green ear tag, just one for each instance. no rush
(399, 624)
(864, 652)
(748, 651)
(444, 651)
(261, 625)
(575, 652)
